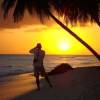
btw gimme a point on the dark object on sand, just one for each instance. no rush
(64, 67)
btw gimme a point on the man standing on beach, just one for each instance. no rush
(38, 64)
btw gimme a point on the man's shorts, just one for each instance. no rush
(39, 70)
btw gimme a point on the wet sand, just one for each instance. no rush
(13, 86)
(76, 84)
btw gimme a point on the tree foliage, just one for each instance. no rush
(73, 11)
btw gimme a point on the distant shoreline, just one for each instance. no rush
(52, 54)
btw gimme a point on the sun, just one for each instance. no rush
(63, 46)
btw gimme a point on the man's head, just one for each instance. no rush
(39, 45)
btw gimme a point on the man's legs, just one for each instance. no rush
(37, 81)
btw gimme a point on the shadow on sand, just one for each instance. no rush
(85, 85)
(46, 91)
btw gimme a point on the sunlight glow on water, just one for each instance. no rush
(13, 64)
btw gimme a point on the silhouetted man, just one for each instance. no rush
(38, 64)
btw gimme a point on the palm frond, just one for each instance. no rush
(78, 10)
(40, 7)
(19, 10)
(7, 5)
(72, 10)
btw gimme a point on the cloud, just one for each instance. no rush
(36, 28)
(25, 29)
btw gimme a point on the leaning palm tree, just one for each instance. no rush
(73, 11)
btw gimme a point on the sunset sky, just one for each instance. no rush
(20, 37)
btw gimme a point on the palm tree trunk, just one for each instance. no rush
(75, 36)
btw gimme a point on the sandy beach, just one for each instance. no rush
(77, 84)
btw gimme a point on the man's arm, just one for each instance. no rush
(43, 53)
(31, 51)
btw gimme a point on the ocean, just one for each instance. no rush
(20, 63)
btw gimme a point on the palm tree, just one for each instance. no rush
(73, 11)
(78, 10)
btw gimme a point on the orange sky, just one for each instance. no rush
(20, 37)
